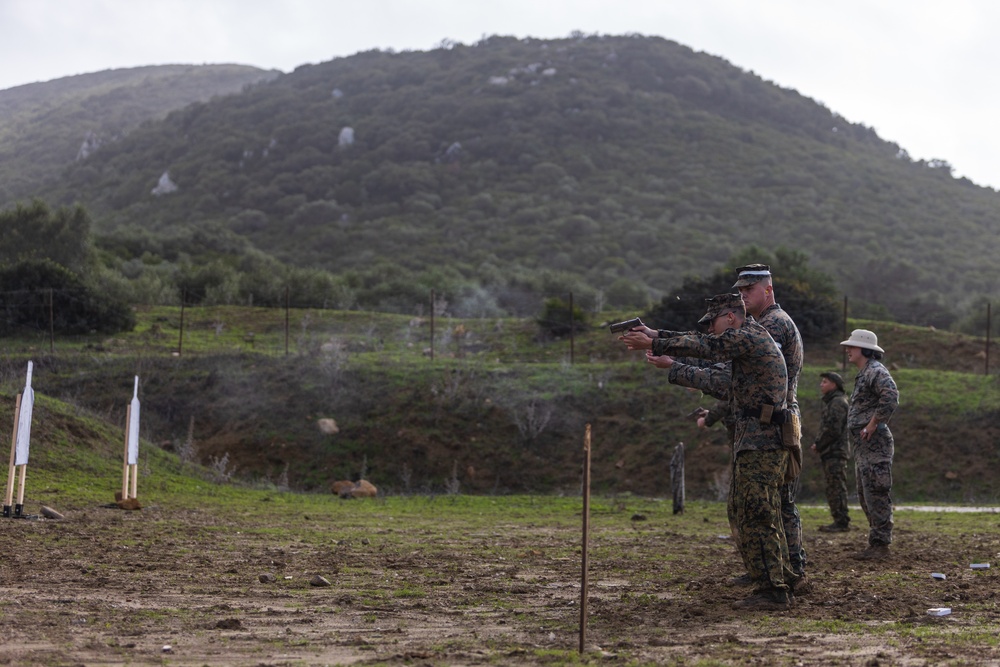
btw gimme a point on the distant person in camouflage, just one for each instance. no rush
(873, 402)
(758, 387)
(832, 446)
(755, 286)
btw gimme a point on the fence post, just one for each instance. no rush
(180, 338)
(286, 320)
(677, 477)
(843, 363)
(989, 326)
(432, 325)
(52, 326)
(571, 329)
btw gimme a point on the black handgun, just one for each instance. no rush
(618, 327)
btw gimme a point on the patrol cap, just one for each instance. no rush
(834, 378)
(750, 274)
(721, 304)
(863, 338)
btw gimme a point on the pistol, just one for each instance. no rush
(618, 327)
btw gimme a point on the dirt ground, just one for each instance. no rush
(181, 587)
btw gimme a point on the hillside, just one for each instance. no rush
(611, 165)
(497, 410)
(45, 127)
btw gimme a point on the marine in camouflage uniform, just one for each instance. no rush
(832, 446)
(754, 283)
(873, 402)
(758, 379)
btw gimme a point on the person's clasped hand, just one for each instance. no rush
(636, 339)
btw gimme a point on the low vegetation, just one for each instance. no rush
(492, 406)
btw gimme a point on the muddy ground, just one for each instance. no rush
(178, 586)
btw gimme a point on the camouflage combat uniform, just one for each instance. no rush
(758, 378)
(717, 384)
(784, 332)
(833, 450)
(875, 394)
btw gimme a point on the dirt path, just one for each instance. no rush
(106, 587)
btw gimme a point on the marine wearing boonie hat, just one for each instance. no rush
(750, 274)
(834, 378)
(721, 304)
(863, 338)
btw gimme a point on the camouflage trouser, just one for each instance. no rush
(790, 520)
(835, 471)
(874, 473)
(731, 514)
(757, 503)
(792, 523)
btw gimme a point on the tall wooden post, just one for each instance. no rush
(586, 531)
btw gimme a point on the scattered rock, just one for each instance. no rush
(319, 581)
(328, 426)
(229, 624)
(360, 489)
(267, 578)
(129, 504)
(164, 186)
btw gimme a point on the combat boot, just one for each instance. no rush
(835, 528)
(775, 599)
(801, 585)
(873, 552)
(742, 580)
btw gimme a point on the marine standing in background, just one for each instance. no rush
(832, 446)
(755, 286)
(873, 402)
(758, 387)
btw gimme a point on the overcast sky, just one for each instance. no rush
(921, 72)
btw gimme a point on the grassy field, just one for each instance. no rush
(215, 573)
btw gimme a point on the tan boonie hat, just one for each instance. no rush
(863, 338)
(834, 378)
(750, 274)
(721, 304)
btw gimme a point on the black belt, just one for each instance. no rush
(778, 416)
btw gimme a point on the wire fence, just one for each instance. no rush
(50, 314)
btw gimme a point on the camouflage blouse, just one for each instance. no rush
(832, 441)
(874, 393)
(758, 376)
(784, 332)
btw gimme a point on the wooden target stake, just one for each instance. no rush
(586, 530)
(9, 497)
(125, 465)
(130, 467)
(20, 446)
